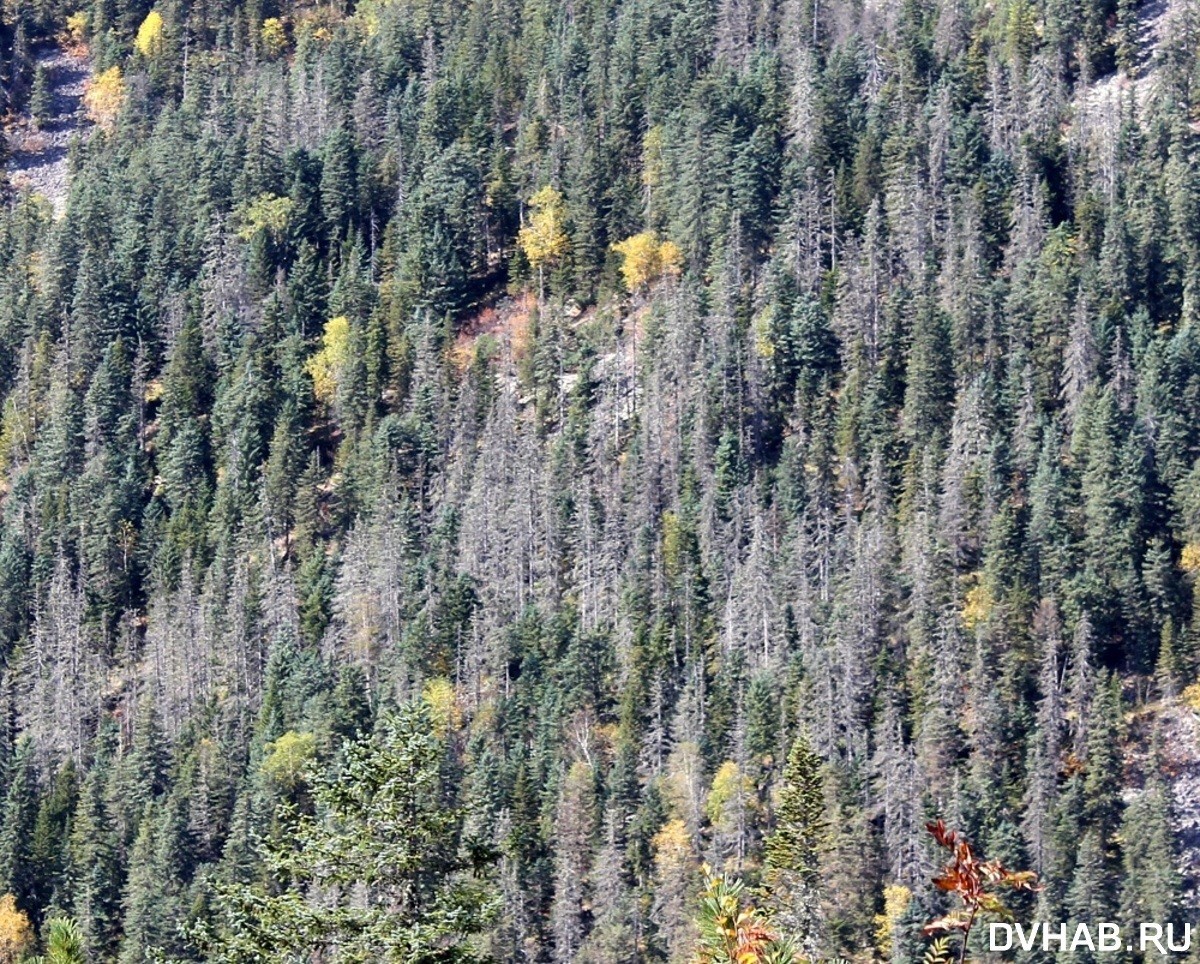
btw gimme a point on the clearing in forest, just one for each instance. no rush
(37, 154)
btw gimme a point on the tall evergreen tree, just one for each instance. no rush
(792, 852)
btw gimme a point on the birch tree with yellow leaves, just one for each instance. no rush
(543, 238)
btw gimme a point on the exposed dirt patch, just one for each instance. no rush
(507, 321)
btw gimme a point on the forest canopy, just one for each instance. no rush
(539, 482)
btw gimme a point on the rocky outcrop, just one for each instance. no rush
(37, 154)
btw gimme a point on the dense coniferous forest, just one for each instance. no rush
(523, 481)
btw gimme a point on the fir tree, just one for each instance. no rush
(793, 850)
(18, 870)
(41, 97)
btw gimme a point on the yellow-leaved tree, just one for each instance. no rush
(77, 25)
(674, 885)
(274, 36)
(16, 933)
(978, 603)
(267, 212)
(1189, 559)
(646, 259)
(287, 759)
(104, 97)
(325, 368)
(896, 898)
(442, 702)
(543, 238)
(150, 35)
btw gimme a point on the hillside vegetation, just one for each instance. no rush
(466, 465)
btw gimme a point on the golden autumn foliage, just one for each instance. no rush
(316, 25)
(288, 758)
(1190, 558)
(543, 239)
(646, 259)
(326, 366)
(368, 14)
(16, 933)
(764, 341)
(977, 606)
(267, 212)
(672, 845)
(274, 36)
(896, 898)
(149, 35)
(77, 24)
(104, 97)
(444, 712)
(728, 782)
(1191, 696)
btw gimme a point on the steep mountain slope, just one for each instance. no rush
(37, 153)
(468, 465)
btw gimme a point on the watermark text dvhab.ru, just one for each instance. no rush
(1150, 937)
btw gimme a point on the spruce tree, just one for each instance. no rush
(141, 908)
(18, 872)
(49, 846)
(41, 98)
(383, 840)
(792, 852)
(94, 872)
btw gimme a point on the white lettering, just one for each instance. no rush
(1027, 944)
(1146, 941)
(1048, 936)
(1082, 941)
(1007, 937)
(1110, 937)
(1187, 937)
